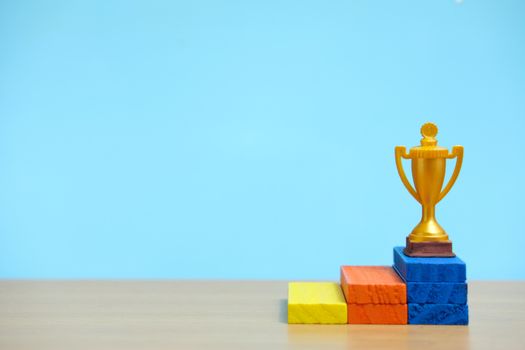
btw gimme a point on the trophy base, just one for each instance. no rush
(442, 249)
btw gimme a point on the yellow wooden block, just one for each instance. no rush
(316, 302)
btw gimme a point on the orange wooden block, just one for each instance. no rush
(372, 285)
(377, 313)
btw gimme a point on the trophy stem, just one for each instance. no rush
(428, 228)
(429, 212)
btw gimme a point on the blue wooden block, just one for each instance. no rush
(429, 269)
(442, 314)
(436, 293)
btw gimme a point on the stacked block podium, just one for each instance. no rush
(375, 295)
(436, 289)
(418, 290)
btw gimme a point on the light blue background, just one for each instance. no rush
(239, 139)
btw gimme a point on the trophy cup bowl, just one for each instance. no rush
(428, 238)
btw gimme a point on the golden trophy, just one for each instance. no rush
(428, 238)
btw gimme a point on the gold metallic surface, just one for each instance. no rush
(428, 174)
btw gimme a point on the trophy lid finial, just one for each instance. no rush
(429, 132)
(429, 147)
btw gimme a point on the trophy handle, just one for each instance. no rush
(457, 151)
(401, 153)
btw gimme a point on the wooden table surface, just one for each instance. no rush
(227, 315)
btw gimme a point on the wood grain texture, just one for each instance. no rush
(429, 249)
(377, 313)
(152, 315)
(436, 293)
(372, 285)
(438, 314)
(316, 303)
(429, 269)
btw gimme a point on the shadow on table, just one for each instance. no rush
(283, 310)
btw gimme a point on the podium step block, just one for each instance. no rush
(316, 303)
(372, 285)
(375, 295)
(436, 293)
(438, 314)
(417, 269)
(377, 314)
